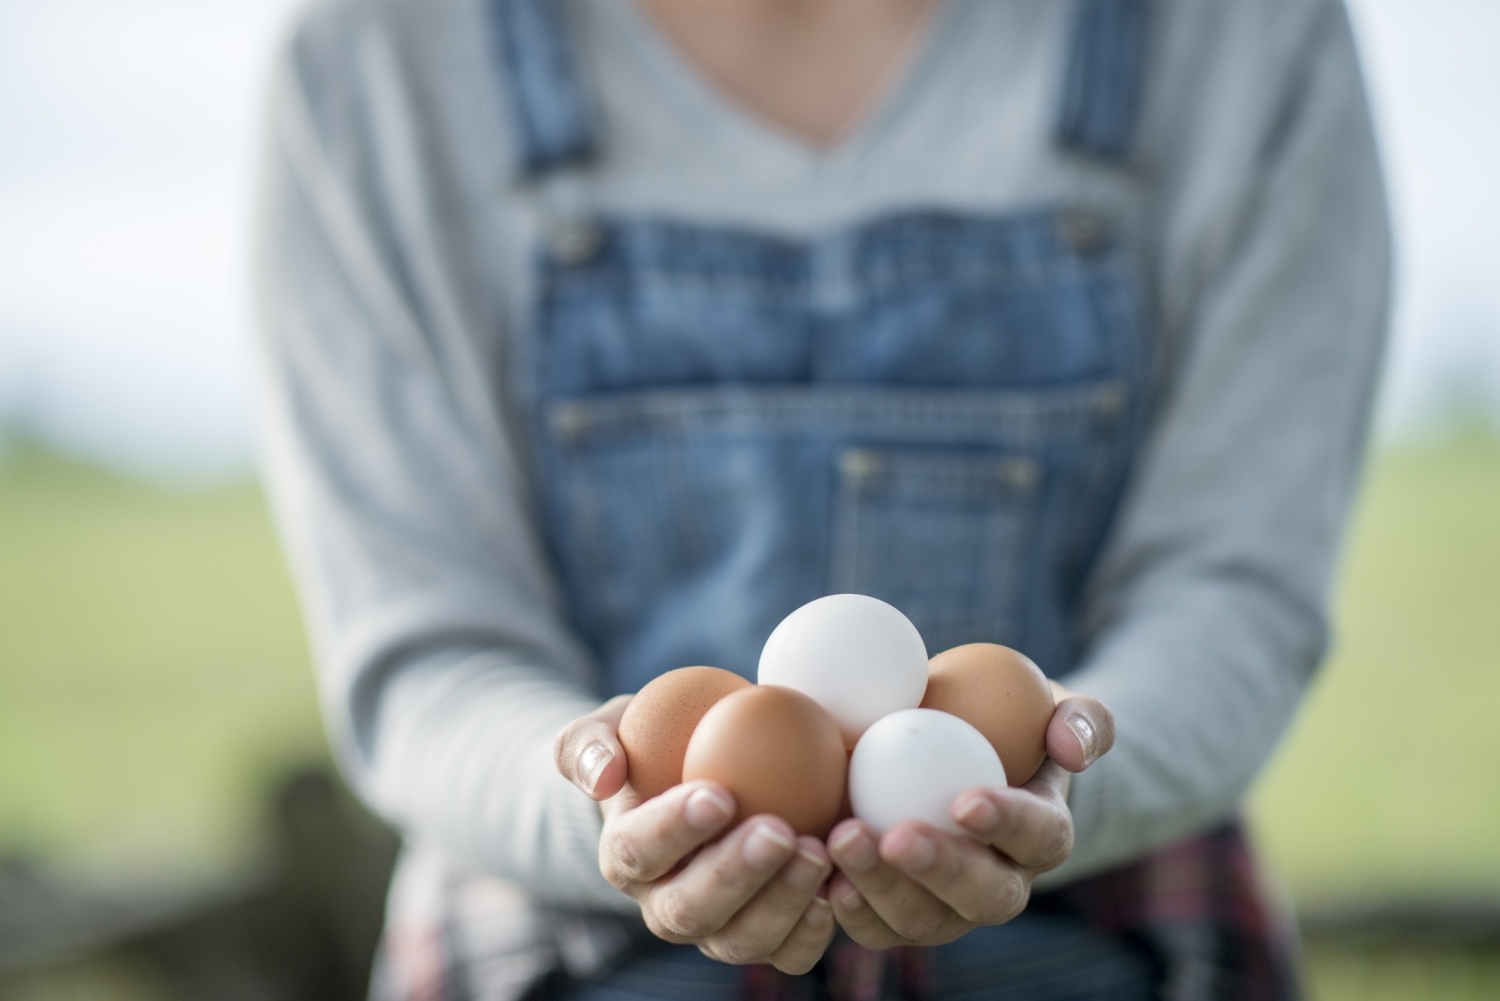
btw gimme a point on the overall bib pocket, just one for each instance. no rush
(944, 536)
(737, 504)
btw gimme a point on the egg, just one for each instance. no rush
(777, 751)
(1002, 694)
(854, 655)
(660, 720)
(911, 765)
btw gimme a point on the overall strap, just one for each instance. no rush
(1104, 77)
(552, 119)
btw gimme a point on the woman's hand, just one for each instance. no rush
(918, 885)
(752, 897)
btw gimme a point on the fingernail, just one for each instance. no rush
(1087, 738)
(766, 847)
(977, 813)
(916, 852)
(807, 872)
(591, 764)
(856, 851)
(851, 900)
(706, 809)
(819, 912)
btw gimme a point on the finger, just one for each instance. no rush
(858, 918)
(588, 753)
(763, 925)
(977, 884)
(645, 843)
(1030, 825)
(721, 879)
(808, 940)
(1081, 730)
(908, 907)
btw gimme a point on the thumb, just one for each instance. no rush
(1081, 729)
(588, 753)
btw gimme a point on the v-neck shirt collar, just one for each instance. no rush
(718, 119)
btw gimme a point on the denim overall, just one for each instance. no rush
(933, 408)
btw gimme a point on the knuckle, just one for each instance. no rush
(873, 935)
(1012, 825)
(795, 966)
(682, 919)
(612, 871)
(1006, 904)
(655, 926)
(982, 912)
(730, 872)
(817, 918)
(798, 957)
(919, 927)
(986, 903)
(1009, 912)
(952, 868)
(783, 901)
(715, 953)
(883, 880)
(625, 863)
(992, 910)
(1059, 843)
(736, 952)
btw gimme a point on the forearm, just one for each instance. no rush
(461, 758)
(1201, 691)
(445, 663)
(1207, 615)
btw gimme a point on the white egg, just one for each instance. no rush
(912, 764)
(856, 656)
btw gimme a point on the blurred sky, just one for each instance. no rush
(127, 160)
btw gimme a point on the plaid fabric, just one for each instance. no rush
(1202, 910)
(1197, 908)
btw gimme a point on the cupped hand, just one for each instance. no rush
(918, 885)
(751, 897)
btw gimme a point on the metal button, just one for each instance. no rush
(574, 241)
(859, 464)
(1020, 473)
(570, 421)
(1086, 232)
(1111, 399)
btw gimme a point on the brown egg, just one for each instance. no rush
(1002, 694)
(777, 751)
(659, 721)
(846, 808)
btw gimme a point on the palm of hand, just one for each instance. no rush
(761, 894)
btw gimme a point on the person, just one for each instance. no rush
(598, 335)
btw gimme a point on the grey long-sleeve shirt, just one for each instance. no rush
(393, 269)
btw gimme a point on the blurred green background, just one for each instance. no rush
(154, 676)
